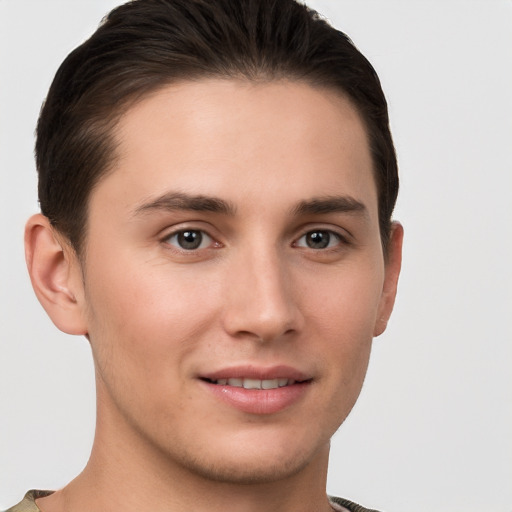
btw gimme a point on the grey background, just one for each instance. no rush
(432, 429)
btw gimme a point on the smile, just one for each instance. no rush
(249, 383)
(258, 391)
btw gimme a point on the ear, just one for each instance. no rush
(56, 275)
(393, 264)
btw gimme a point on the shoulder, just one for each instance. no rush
(28, 503)
(349, 505)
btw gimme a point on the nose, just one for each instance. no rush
(261, 300)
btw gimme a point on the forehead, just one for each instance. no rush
(236, 139)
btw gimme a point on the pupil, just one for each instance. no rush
(190, 239)
(318, 239)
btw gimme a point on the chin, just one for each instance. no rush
(254, 465)
(247, 473)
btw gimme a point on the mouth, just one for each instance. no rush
(251, 383)
(258, 391)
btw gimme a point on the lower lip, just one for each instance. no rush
(259, 401)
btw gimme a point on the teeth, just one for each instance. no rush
(252, 384)
(270, 384)
(255, 383)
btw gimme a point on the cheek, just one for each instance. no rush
(145, 322)
(343, 319)
(144, 327)
(346, 302)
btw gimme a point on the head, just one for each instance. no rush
(145, 45)
(219, 179)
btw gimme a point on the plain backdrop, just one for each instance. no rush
(433, 427)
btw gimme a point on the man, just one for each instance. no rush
(216, 180)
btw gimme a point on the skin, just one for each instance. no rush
(254, 293)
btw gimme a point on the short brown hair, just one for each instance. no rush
(146, 44)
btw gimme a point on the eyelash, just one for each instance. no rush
(198, 236)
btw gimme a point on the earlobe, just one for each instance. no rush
(54, 271)
(392, 272)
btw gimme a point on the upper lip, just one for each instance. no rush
(257, 372)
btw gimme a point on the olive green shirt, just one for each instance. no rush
(28, 504)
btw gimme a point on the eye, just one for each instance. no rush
(189, 239)
(319, 239)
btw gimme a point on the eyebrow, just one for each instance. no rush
(173, 201)
(331, 204)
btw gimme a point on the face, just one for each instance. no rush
(234, 276)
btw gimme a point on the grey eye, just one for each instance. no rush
(319, 239)
(190, 239)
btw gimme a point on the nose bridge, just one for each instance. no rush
(261, 299)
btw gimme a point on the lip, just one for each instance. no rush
(255, 372)
(258, 401)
